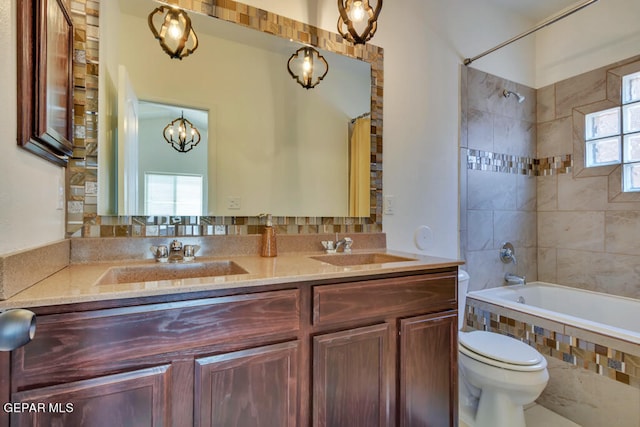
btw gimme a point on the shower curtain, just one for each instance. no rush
(359, 169)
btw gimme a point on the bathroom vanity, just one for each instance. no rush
(295, 341)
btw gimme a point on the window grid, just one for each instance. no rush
(173, 194)
(612, 136)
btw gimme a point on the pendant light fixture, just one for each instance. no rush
(181, 134)
(175, 34)
(307, 67)
(358, 20)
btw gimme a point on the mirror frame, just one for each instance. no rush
(35, 132)
(82, 217)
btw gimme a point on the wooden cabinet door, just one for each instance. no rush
(137, 398)
(428, 370)
(249, 388)
(351, 378)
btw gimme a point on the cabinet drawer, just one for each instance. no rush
(377, 299)
(80, 345)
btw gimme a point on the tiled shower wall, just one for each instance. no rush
(588, 231)
(498, 184)
(523, 181)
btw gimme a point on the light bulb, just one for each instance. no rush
(307, 65)
(175, 32)
(357, 12)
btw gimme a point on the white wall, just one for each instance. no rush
(603, 33)
(28, 184)
(424, 42)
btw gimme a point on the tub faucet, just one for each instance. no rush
(514, 279)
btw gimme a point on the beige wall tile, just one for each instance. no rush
(546, 103)
(513, 136)
(623, 232)
(580, 90)
(555, 137)
(597, 271)
(589, 399)
(571, 230)
(547, 193)
(491, 190)
(547, 261)
(579, 194)
(480, 130)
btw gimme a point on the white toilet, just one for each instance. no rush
(498, 375)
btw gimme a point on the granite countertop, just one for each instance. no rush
(78, 283)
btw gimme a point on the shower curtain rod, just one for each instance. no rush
(550, 21)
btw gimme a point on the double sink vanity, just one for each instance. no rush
(366, 338)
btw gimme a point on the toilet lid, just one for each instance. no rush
(500, 347)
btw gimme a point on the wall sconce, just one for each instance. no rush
(358, 21)
(306, 60)
(175, 32)
(187, 135)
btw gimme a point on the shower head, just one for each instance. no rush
(507, 93)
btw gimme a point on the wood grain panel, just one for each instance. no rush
(377, 299)
(81, 345)
(428, 370)
(351, 378)
(250, 388)
(138, 398)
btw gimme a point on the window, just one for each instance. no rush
(178, 195)
(613, 136)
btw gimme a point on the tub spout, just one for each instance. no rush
(514, 279)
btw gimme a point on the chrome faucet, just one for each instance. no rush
(175, 249)
(346, 244)
(514, 279)
(174, 252)
(332, 247)
(508, 253)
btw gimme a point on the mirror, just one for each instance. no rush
(271, 146)
(88, 182)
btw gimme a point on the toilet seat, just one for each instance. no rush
(500, 351)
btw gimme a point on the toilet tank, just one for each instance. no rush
(463, 287)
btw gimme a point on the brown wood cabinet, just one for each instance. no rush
(366, 351)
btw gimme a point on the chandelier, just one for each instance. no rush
(181, 134)
(358, 20)
(175, 34)
(307, 67)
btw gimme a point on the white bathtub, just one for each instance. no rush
(602, 313)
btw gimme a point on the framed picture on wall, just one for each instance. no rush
(45, 79)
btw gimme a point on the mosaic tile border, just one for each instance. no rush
(157, 226)
(82, 217)
(603, 360)
(519, 165)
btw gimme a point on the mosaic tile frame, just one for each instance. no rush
(605, 360)
(82, 217)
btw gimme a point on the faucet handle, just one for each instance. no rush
(348, 241)
(190, 252)
(329, 246)
(161, 253)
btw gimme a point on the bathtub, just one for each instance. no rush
(604, 314)
(591, 341)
